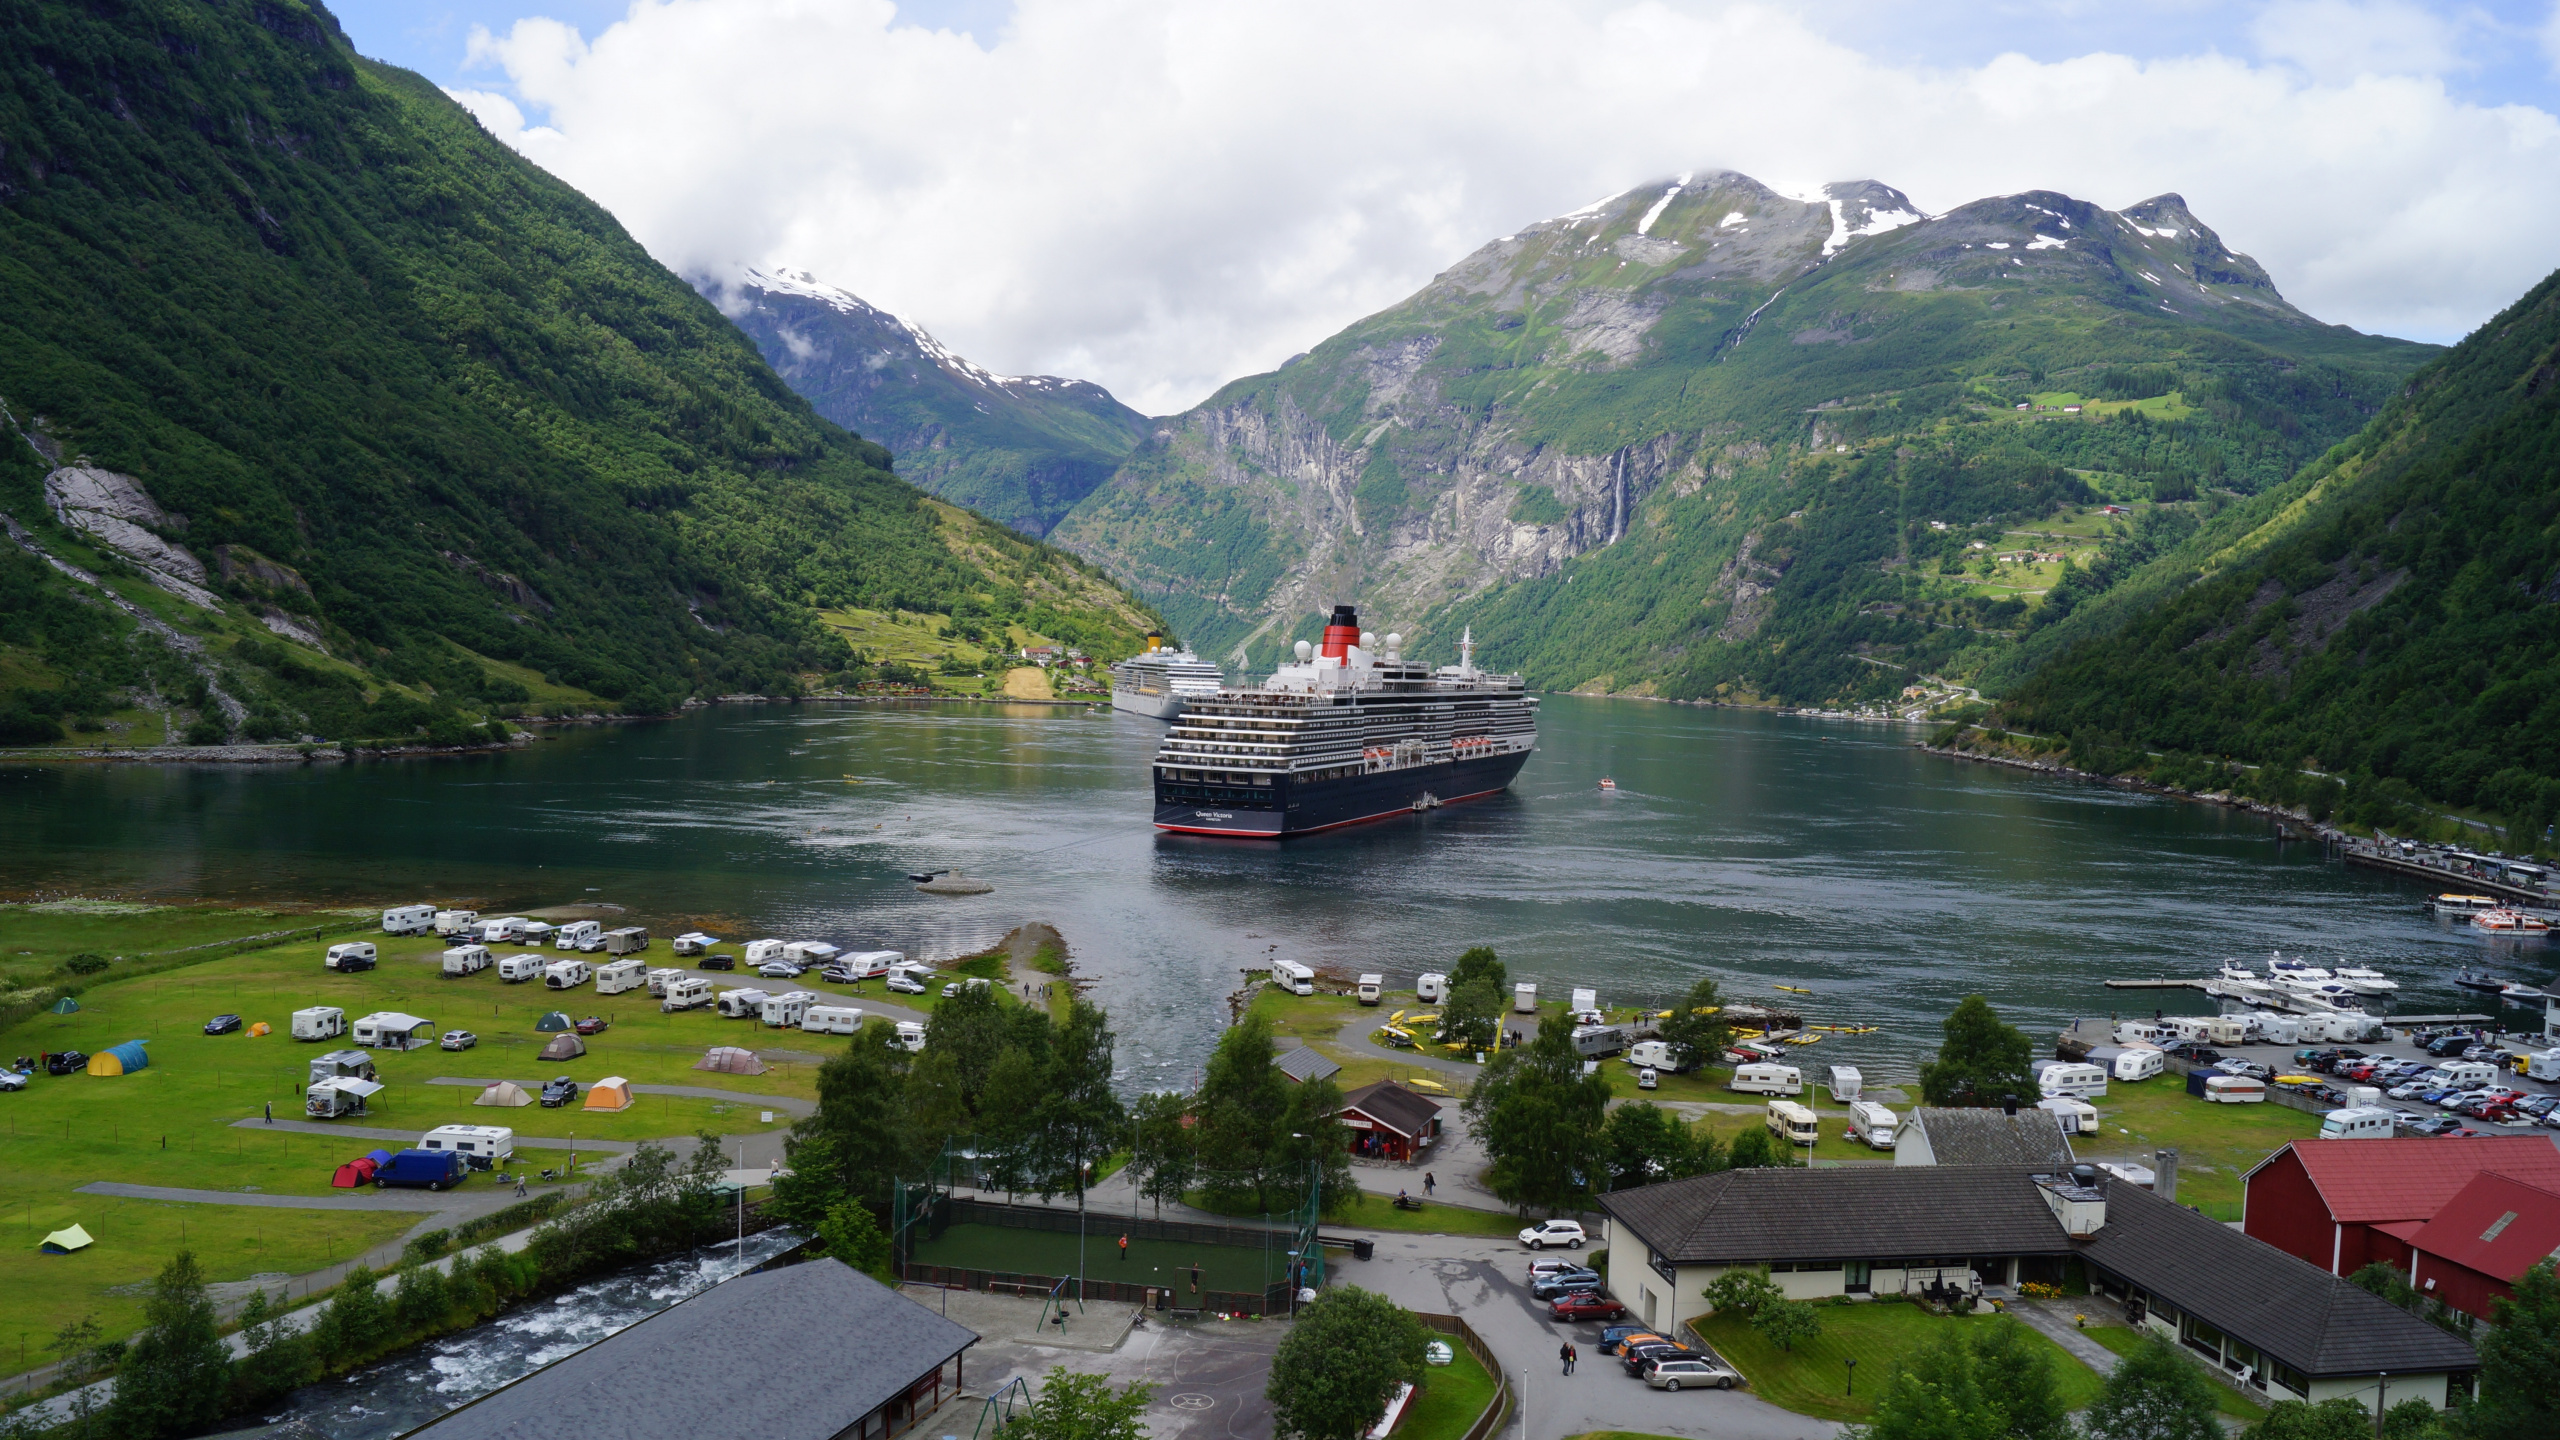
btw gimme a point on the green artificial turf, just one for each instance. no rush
(1096, 1254)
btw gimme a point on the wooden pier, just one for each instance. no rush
(2155, 984)
(2447, 880)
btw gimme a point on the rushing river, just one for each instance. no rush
(1760, 849)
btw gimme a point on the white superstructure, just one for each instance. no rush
(1158, 681)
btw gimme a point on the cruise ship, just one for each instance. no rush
(1351, 732)
(1158, 681)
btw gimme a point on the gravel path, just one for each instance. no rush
(789, 1105)
(369, 1199)
(372, 1132)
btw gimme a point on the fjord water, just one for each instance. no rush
(1764, 850)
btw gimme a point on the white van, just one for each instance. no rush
(832, 1020)
(566, 974)
(1431, 989)
(685, 993)
(517, 969)
(2065, 1077)
(1846, 1083)
(2077, 1116)
(1524, 999)
(505, 930)
(910, 1035)
(1293, 977)
(480, 1143)
(581, 935)
(863, 964)
(621, 975)
(1873, 1125)
(2543, 1064)
(1371, 988)
(2139, 1032)
(2357, 1122)
(761, 952)
(456, 922)
(354, 955)
(2235, 1090)
(320, 1022)
(810, 952)
(1656, 1055)
(467, 960)
(409, 920)
(659, 980)
(742, 1004)
(1793, 1123)
(2466, 1073)
(1767, 1078)
(784, 1011)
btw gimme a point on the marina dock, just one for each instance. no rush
(2280, 1001)
(2446, 877)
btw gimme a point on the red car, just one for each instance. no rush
(1592, 1306)
(593, 1025)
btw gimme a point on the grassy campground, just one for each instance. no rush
(1450, 1398)
(1813, 1378)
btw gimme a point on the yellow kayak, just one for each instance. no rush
(1795, 989)
(1420, 1082)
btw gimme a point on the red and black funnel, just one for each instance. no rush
(1341, 632)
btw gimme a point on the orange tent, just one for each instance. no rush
(610, 1093)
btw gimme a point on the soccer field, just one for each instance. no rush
(1150, 1262)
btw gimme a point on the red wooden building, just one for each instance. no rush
(2344, 1204)
(2484, 1238)
(1389, 1122)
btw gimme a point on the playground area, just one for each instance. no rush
(1167, 1263)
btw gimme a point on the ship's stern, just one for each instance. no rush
(1190, 817)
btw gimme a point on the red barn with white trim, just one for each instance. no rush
(2344, 1204)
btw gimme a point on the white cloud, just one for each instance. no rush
(1162, 196)
(2344, 39)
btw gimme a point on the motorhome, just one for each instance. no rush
(2077, 1116)
(481, 1145)
(456, 922)
(393, 1030)
(1846, 1083)
(1293, 977)
(693, 942)
(2357, 1122)
(1431, 989)
(1524, 999)
(409, 920)
(2140, 1032)
(2464, 1074)
(2129, 1062)
(467, 960)
(320, 1022)
(341, 1065)
(659, 980)
(810, 952)
(1793, 1123)
(1873, 1125)
(566, 974)
(832, 1020)
(505, 930)
(784, 1011)
(742, 1004)
(1660, 1055)
(761, 952)
(1598, 1042)
(1372, 988)
(352, 956)
(1586, 1002)
(517, 969)
(2234, 1090)
(617, 976)
(910, 1035)
(2063, 1077)
(629, 940)
(2278, 1029)
(581, 935)
(685, 993)
(1767, 1078)
(2543, 1064)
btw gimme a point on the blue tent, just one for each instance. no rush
(66, 1006)
(121, 1059)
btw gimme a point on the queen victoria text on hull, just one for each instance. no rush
(1348, 733)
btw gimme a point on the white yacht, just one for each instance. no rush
(2278, 966)
(2364, 981)
(2241, 977)
(1159, 681)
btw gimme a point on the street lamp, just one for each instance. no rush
(1852, 1363)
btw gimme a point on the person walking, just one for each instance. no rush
(1564, 1353)
(1195, 1279)
(1124, 1248)
(1428, 1184)
(271, 1112)
(519, 1186)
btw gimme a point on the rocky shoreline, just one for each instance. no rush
(2294, 822)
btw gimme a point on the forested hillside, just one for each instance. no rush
(356, 423)
(2396, 624)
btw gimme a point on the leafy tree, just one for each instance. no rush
(2015, 1372)
(1981, 1060)
(1742, 1292)
(419, 1302)
(2417, 1420)
(277, 1357)
(1784, 1322)
(858, 1141)
(2520, 1361)
(1310, 1141)
(1079, 1119)
(1695, 1036)
(1539, 1118)
(971, 1029)
(1933, 1394)
(1473, 1015)
(2339, 1419)
(1480, 963)
(177, 1370)
(2155, 1394)
(357, 1323)
(1754, 1149)
(1645, 1143)
(1082, 1407)
(1340, 1364)
(1165, 1158)
(852, 1234)
(1242, 1099)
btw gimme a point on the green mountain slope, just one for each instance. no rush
(357, 422)
(1020, 449)
(2396, 621)
(1701, 438)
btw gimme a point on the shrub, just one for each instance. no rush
(85, 963)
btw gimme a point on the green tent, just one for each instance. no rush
(63, 1242)
(66, 1006)
(555, 1021)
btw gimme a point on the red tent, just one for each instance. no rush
(358, 1171)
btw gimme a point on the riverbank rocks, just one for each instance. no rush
(952, 882)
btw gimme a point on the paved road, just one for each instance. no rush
(354, 1200)
(789, 1105)
(376, 1132)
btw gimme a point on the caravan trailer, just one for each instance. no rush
(764, 951)
(2210, 1029)
(2077, 1116)
(566, 974)
(1793, 1123)
(910, 1035)
(2065, 1077)
(2140, 1032)
(517, 969)
(2128, 1062)
(353, 956)
(685, 993)
(785, 1011)
(629, 940)
(832, 1020)
(581, 935)
(2234, 1090)
(693, 942)
(505, 930)
(466, 960)
(1873, 1125)
(409, 920)
(618, 976)
(481, 1145)
(806, 953)
(1431, 989)
(1766, 1078)
(456, 922)
(659, 980)
(742, 1004)
(394, 1030)
(864, 964)
(1659, 1055)
(1847, 1083)
(1524, 999)
(1585, 1002)
(1293, 977)
(1372, 988)
(320, 1022)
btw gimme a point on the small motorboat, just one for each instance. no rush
(2510, 922)
(2479, 980)
(921, 876)
(2241, 976)
(1608, 784)
(2277, 966)
(2522, 994)
(2460, 904)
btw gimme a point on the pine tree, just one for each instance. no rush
(177, 1371)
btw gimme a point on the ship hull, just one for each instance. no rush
(1163, 706)
(1298, 807)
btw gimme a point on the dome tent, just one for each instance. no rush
(564, 1046)
(354, 1173)
(66, 1240)
(610, 1093)
(505, 1092)
(66, 1006)
(121, 1059)
(730, 1060)
(553, 1022)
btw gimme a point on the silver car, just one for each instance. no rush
(1691, 1372)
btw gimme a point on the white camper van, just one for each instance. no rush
(480, 1144)
(456, 922)
(910, 1035)
(2077, 1116)
(1431, 989)
(1846, 1083)
(581, 935)
(2235, 1090)
(659, 980)
(1371, 988)
(517, 969)
(1767, 1078)
(2467, 1073)
(2140, 1032)
(409, 920)
(566, 974)
(2357, 1122)
(2280, 1029)
(620, 975)
(2068, 1077)
(760, 952)
(832, 1020)
(742, 1004)
(320, 1022)
(467, 960)
(354, 955)
(810, 952)
(1293, 977)
(2544, 1064)
(1793, 1123)
(784, 1011)
(685, 992)
(1524, 999)
(1873, 1125)
(505, 930)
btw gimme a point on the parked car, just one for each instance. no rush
(222, 1024)
(1541, 1269)
(2538, 1106)
(2484, 1052)
(558, 1091)
(594, 1025)
(2196, 1052)
(780, 970)
(2249, 1068)
(1559, 1285)
(13, 1080)
(2444, 1045)
(1687, 1372)
(1617, 1335)
(2464, 1132)
(1636, 1356)
(717, 962)
(901, 982)
(459, 1040)
(1567, 1233)
(1586, 1305)
(2433, 1124)
(65, 1062)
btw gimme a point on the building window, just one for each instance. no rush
(2457, 1389)
(1853, 1277)
(2290, 1378)
(1662, 1267)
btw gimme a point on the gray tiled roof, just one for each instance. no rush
(1304, 1064)
(1392, 1104)
(1848, 1212)
(1988, 1137)
(2287, 1307)
(709, 1367)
